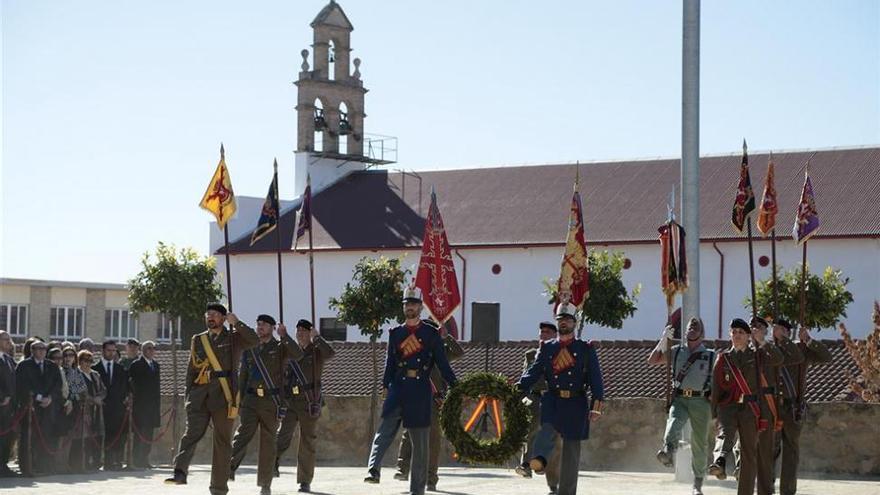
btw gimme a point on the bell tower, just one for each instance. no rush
(330, 108)
(330, 101)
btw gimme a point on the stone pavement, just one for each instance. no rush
(349, 481)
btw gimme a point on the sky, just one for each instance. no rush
(113, 111)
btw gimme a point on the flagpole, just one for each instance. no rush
(312, 264)
(752, 266)
(278, 245)
(775, 279)
(803, 309)
(228, 271)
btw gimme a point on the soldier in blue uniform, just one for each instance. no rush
(413, 350)
(571, 368)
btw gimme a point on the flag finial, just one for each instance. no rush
(670, 206)
(745, 146)
(577, 174)
(222, 151)
(275, 164)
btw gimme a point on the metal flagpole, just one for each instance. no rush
(751, 266)
(278, 243)
(803, 309)
(312, 265)
(775, 278)
(228, 269)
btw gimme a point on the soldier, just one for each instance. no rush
(211, 393)
(260, 378)
(692, 375)
(7, 401)
(302, 394)
(792, 383)
(546, 331)
(571, 367)
(736, 402)
(413, 350)
(453, 351)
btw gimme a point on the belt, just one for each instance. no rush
(412, 373)
(743, 399)
(568, 394)
(687, 392)
(257, 391)
(221, 374)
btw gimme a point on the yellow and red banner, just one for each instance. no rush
(219, 199)
(574, 285)
(768, 210)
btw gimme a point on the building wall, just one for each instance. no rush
(519, 290)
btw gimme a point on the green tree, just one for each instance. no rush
(178, 283)
(374, 299)
(608, 303)
(826, 297)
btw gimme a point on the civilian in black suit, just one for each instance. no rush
(37, 384)
(115, 380)
(144, 378)
(7, 401)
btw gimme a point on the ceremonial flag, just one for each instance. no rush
(767, 213)
(806, 223)
(436, 274)
(673, 262)
(304, 215)
(745, 197)
(269, 215)
(574, 286)
(219, 198)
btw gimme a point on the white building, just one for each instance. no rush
(507, 225)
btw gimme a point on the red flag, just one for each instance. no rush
(574, 285)
(436, 275)
(767, 213)
(673, 262)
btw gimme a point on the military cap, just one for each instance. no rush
(133, 342)
(266, 319)
(757, 320)
(305, 324)
(412, 294)
(217, 307)
(741, 324)
(38, 343)
(547, 324)
(783, 323)
(55, 350)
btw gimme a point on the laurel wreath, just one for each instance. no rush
(517, 420)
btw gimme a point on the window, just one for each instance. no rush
(166, 324)
(66, 322)
(13, 318)
(333, 329)
(120, 324)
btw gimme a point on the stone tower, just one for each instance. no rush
(330, 101)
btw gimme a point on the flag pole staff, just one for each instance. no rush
(751, 250)
(670, 217)
(803, 298)
(226, 246)
(312, 264)
(773, 256)
(278, 243)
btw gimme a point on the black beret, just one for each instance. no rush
(547, 324)
(758, 320)
(783, 322)
(217, 307)
(741, 324)
(266, 319)
(305, 324)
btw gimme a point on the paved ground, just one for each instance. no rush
(453, 481)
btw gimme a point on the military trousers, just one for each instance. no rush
(404, 454)
(298, 414)
(569, 465)
(788, 445)
(699, 412)
(418, 437)
(552, 469)
(738, 420)
(197, 419)
(256, 413)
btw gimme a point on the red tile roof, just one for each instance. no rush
(624, 368)
(624, 201)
